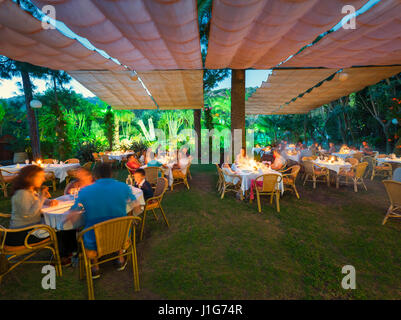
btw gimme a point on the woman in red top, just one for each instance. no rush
(133, 164)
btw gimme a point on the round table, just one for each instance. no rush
(55, 216)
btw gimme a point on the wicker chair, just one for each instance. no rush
(371, 163)
(393, 189)
(179, 177)
(311, 158)
(155, 203)
(290, 178)
(358, 156)
(88, 165)
(230, 186)
(384, 169)
(6, 180)
(50, 177)
(17, 255)
(106, 159)
(268, 188)
(152, 174)
(112, 236)
(96, 157)
(72, 160)
(220, 178)
(355, 174)
(48, 161)
(315, 172)
(352, 161)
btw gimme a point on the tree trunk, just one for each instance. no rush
(33, 125)
(238, 103)
(116, 137)
(197, 127)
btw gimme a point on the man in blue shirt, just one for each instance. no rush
(104, 200)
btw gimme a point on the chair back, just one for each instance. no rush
(393, 189)
(48, 161)
(381, 156)
(152, 174)
(111, 235)
(161, 187)
(88, 165)
(72, 160)
(358, 156)
(294, 170)
(352, 161)
(360, 169)
(95, 156)
(270, 181)
(311, 158)
(105, 158)
(309, 167)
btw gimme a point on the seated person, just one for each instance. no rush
(228, 172)
(104, 200)
(279, 161)
(133, 164)
(366, 149)
(154, 162)
(241, 157)
(83, 178)
(315, 147)
(142, 158)
(141, 183)
(27, 201)
(332, 148)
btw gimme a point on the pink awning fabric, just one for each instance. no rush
(358, 78)
(142, 34)
(118, 89)
(22, 38)
(178, 89)
(375, 41)
(262, 33)
(282, 86)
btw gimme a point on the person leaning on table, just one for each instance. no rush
(27, 201)
(104, 200)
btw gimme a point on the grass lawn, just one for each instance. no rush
(225, 249)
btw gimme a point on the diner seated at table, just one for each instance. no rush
(27, 201)
(106, 199)
(83, 178)
(332, 148)
(133, 164)
(141, 183)
(315, 148)
(279, 161)
(241, 157)
(228, 173)
(366, 149)
(142, 158)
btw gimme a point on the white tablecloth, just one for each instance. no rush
(344, 155)
(381, 160)
(55, 216)
(59, 170)
(336, 166)
(248, 176)
(118, 157)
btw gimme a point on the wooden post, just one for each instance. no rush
(238, 103)
(197, 127)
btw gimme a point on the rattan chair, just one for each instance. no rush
(17, 255)
(268, 188)
(50, 177)
(180, 178)
(220, 178)
(290, 178)
(352, 161)
(72, 160)
(152, 174)
(106, 159)
(358, 156)
(230, 186)
(6, 180)
(155, 203)
(371, 163)
(316, 173)
(96, 157)
(356, 174)
(112, 236)
(311, 158)
(88, 165)
(393, 189)
(384, 169)
(48, 161)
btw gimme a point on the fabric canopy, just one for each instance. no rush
(282, 86)
(262, 33)
(22, 38)
(142, 34)
(181, 89)
(358, 78)
(375, 41)
(115, 88)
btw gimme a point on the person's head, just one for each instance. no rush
(364, 143)
(103, 171)
(131, 158)
(316, 144)
(84, 175)
(29, 177)
(331, 144)
(139, 176)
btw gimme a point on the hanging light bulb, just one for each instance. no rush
(35, 104)
(133, 76)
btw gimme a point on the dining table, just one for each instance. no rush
(119, 156)
(344, 155)
(333, 165)
(249, 173)
(60, 170)
(55, 216)
(389, 159)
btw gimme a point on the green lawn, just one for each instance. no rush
(225, 249)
